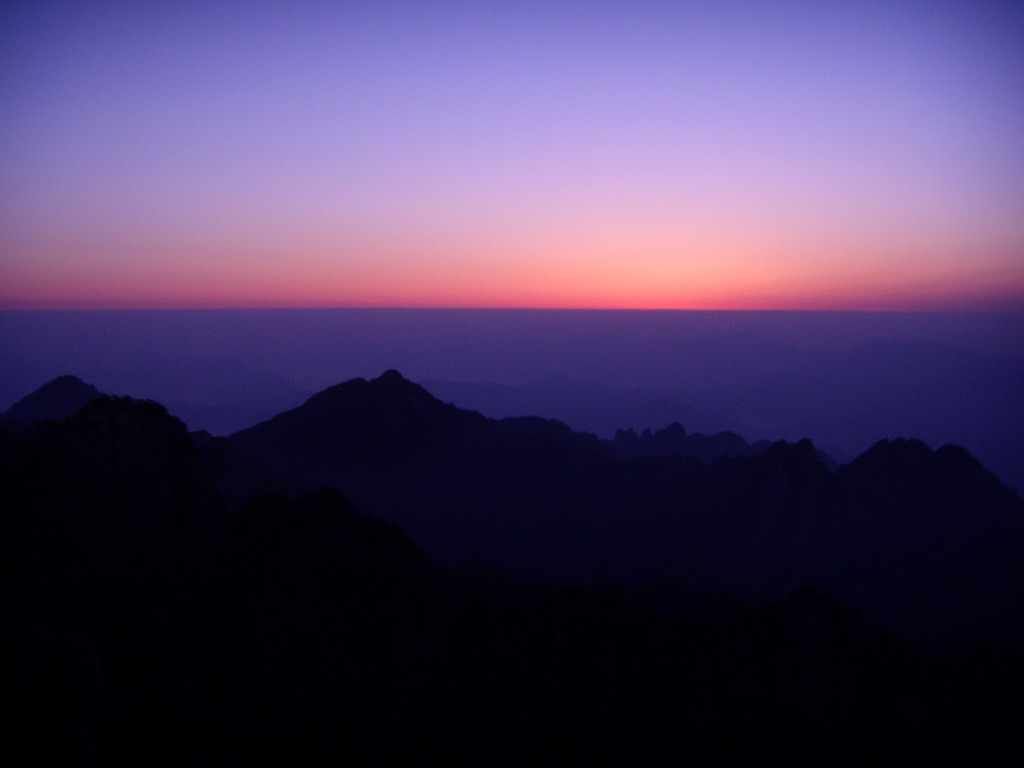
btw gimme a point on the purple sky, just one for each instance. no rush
(692, 154)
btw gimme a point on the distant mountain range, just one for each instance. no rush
(927, 542)
(841, 379)
(543, 502)
(166, 606)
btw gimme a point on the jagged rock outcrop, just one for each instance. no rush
(673, 440)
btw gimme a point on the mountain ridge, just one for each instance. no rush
(548, 503)
(149, 622)
(543, 502)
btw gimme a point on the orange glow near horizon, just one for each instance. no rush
(564, 156)
(602, 270)
(508, 289)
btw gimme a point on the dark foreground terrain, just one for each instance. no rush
(162, 609)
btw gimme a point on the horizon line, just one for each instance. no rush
(1019, 309)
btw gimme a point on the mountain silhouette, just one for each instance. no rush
(673, 440)
(238, 475)
(925, 541)
(146, 621)
(456, 480)
(56, 399)
(545, 503)
(137, 607)
(361, 421)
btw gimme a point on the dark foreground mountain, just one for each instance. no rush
(146, 623)
(926, 542)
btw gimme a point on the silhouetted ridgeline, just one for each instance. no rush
(842, 379)
(541, 502)
(151, 622)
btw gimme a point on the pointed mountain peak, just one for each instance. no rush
(359, 418)
(391, 376)
(389, 390)
(395, 385)
(67, 380)
(898, 453)
(949, 471)
(58, 399)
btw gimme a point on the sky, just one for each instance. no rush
(693, 155)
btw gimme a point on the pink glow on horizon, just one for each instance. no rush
(566, 283)
(733, 155)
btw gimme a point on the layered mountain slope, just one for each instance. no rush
(927, 542)
(109, 505)
(386, 420)
(146, 624)
(56, 399)
(544, 503)
(940, 531)
(459, 482)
